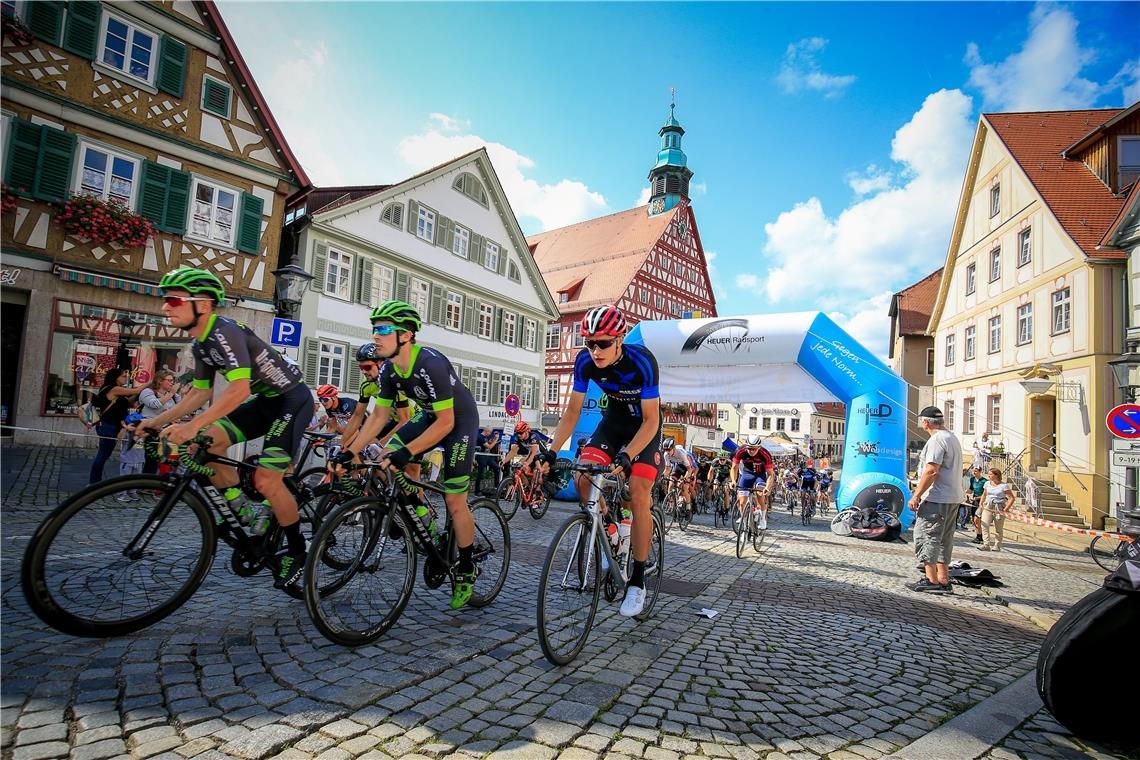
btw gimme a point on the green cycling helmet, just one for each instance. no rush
(194, 281)
(398, 313)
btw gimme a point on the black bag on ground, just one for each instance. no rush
(872, 525)
(974, 577)
(1094, 642)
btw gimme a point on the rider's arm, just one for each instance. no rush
(650, 423)
(514, 449)
(569, 420)
(353, 424)
(371, 427)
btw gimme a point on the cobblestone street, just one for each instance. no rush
(818, 651)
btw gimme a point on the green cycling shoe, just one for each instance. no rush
(463, 589)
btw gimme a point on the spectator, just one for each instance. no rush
(998, 499)
(487, 447)
(155, 399)
(935, 502)
(113, 403)
(983, 450)
(974, 489)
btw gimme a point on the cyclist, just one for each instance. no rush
(719, 472)
(684, 468)
(447, 416)
(752, 467)
(791, 485)
(824, 491)
(528, 446)
(339, 410)
(369, 361)
(266, 396)
(629, 435)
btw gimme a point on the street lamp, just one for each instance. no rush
(1126, 370)
(292, 281)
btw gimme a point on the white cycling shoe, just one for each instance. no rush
(634, 601)
(762, 520)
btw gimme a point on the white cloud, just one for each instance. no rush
(748, 281)
(1128, 81)
(643, 198)
(552, 205)
(446, 123)
(698, 188)
(801, 71)
(719, 290)
(872, 180)
(868, 323)
(1044, 74)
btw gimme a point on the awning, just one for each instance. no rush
(99, 280)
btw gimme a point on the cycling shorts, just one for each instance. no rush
(458, 449)
(680, 470)
(611, 435)
(749, 481)
(280, 419)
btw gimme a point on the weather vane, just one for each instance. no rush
(672, 99)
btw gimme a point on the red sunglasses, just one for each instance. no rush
(176, 301)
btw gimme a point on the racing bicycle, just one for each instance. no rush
(748, 527)
(520, 489)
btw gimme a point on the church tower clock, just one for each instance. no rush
(669, 179)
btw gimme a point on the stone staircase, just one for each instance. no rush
(1055, 505)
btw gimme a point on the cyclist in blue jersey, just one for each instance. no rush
(629, 435)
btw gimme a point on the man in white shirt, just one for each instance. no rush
(935, 502)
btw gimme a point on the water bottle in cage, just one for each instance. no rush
(624, 529)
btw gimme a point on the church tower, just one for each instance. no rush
(669, 179)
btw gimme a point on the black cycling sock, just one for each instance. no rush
(296, 540)
(466, 564)
(637, 577)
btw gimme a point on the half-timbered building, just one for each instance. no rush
(135, 141)
(647, 260)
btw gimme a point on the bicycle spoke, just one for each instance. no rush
(568, 591)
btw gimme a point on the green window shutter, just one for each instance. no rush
(320, 263)
(23, 156)
(45, 19)
(413, 215)
(367, 271)
(216, 97)
(309, 363)
(494, 394)
(476, 252)
(152, 198)
(449, 235)
(438, 299)
(503, 256)
(177, 202)
(80, 36)
(57, 149)
(470, 311)
(353, 377)
(172, 58)
(402, 286)
(441, 225)
(465, 376)
(249, 229)
(498, 324)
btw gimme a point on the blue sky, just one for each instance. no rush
(828, 141)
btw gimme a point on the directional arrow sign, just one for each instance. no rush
(1124, 421)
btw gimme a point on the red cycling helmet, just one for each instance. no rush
(522, 428)
(327, 391)
(603, 320)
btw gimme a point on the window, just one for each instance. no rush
(453, 319)
(506, 382)
(530, 337)
(553, 335)
(781, 423)
(88, 340)
(722, 414)
(675, 309)
(212, 210)
(971, 278)
(482, 389)
(419, 295)
(216, 96)
(106, 174)
(491, 260)
(930, 361)
(643, 295)
(552, 390)
(462, 241)
(468, 184)
(338, 274)
(971, 342)
(1024, 324)
(993, 416)
(659, 301)
(968, 416)
(1024, 247)
(765, 423)
(995, 201)
(1128, 163)
(950, 415)
(526, 392)
(425, 224)
(508, 333)
(513, 272)
(330, 363)
(128, 48)
(795, 424)
(751, 423)
(995, 263)
(949, 350)
(393, 214)
(995, 334)
(1061, 311)
(563, 297)
(578, 341)
(382, 278)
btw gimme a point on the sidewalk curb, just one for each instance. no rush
(979, 729)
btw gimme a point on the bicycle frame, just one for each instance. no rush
(596, 535)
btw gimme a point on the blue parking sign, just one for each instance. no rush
(286, 332)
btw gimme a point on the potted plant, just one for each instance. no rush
(103, 222)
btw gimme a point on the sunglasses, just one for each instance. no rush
(592, 345)
(387, 329)
(176, 301)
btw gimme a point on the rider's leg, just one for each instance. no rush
(642, 529)
(224, 476)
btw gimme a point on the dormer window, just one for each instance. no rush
(129, 48)
(393, 214)
(468, 184)
(1129, 161)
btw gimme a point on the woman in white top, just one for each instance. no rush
(998, 497)
(155, 399)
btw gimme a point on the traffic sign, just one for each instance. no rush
(1124, 421)
(1126, 458)
(511, 404)
(286, 332)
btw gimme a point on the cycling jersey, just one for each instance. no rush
(525, 445)
(722, 469)
(825, 482)
(759, 463)
(234, 350)
(626, 382)
(808, 478)
(343, 410)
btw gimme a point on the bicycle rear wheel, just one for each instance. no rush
(1107, 552)
(684, 515)
(358, 604)
(669, 510)
(508, 497)
(77, 578)
(492, 551)
(568, 590)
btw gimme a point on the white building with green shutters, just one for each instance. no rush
(447, 242)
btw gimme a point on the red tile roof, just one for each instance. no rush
(913, 305)
(328, 198)
(1083, 205)
(605, 254)
(832, 408)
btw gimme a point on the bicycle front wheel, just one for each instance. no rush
(508, 497)
(1107, 552)
(79, 577)
(654, 566)
(758, 532)
(357, 603)
(568, 590)
(492, 551)
(742, 531)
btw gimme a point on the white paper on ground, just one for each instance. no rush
(709, 613)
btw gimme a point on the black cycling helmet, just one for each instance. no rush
(368, 353)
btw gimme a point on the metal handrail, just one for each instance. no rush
(1052, 450)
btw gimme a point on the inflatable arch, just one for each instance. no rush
(800, 357)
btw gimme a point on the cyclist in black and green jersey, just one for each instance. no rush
(447, 416)
(265, 397)
(369, 360)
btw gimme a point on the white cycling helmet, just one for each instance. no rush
(752, 440)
